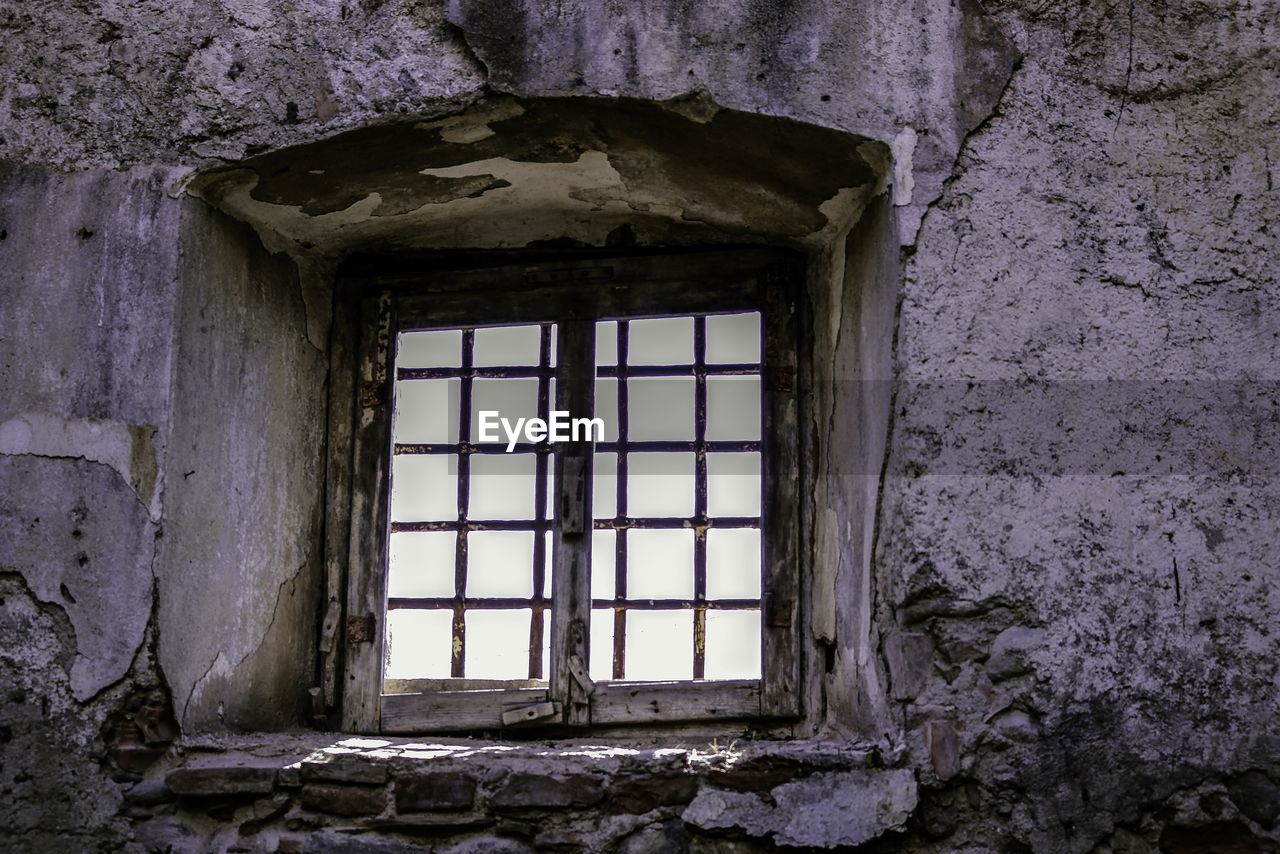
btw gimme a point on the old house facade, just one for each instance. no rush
(1032, 596)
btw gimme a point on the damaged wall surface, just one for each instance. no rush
(1050, 266)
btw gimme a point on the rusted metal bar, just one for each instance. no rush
(510, 603)
(657, 523)
(620, 541)
(728, 446)
(700, 497)
(501, 372)
(621, 524)
(459, 644)
(529, 371)
(540, 510)
(728, 370)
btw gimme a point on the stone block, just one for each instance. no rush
(638, 793)
(222, 780)
(344, 770)
(909, 657)
(822, 811)
(944, 748)
(148, 793)
(338, 799)
(443, 790)
(549, 791)
(1010, 652)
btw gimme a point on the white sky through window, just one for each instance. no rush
(676, 549)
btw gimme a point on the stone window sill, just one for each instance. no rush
(293, 792)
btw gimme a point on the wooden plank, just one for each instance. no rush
(716, 269)
(337, 542)
(542, 303)
(780, 626)
(454, 711)
(571, 531)
(422, 686)
(370, 496)
(657, 702)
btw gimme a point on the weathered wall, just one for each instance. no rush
(88, 292)
(239, 565)
(1074, 584)
(154, 355)
(1094, 561)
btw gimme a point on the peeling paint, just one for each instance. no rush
(904, 182)
(128, 449)
(507, 174)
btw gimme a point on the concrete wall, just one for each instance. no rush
(1068, 615)
(89, 289)
(238, 587)
(154, 355)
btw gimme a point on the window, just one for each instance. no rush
(641, 564)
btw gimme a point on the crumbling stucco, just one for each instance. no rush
(509, 174)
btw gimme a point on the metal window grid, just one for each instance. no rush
(700, 523)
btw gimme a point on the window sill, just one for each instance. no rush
(592, 793)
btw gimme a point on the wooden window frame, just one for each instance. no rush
(377, 300)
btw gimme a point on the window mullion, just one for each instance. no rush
(571, 541)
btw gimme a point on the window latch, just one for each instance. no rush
(579, 674)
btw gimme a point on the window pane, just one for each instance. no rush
(424, 487)
(606, 407)
(660, 408)
(604, 545)
(604, 489)
(497, 644)
(733, 563)
(660, 341)
(607, 342)
(660, 564)
(421, 564)
(419, 644)
(440, 348)
(500, 563)
(548, 565)
(733, 338)
(733, 484)
(510, 399)
(660, 485)
(546, 644)
(601, 666)
(659, 645)
(733, 408)
(506, 346)
(502, 486)
(733, 645)
(426, 411)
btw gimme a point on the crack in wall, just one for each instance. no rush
(226, 668)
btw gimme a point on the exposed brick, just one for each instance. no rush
(531, 791)
(222, 780)
(444, 790)
(641, 793)
(338, 799)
